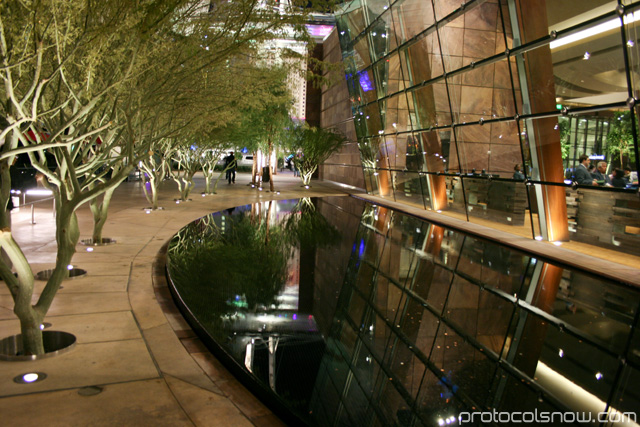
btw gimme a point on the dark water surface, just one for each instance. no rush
(339, 312)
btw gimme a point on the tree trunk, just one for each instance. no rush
(271, 186)
(254, 168)
(306, 175)
(32, 343)
(67, 235)
(100, 211)
(5, 194)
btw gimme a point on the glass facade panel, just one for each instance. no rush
(553, 349)
(423, 59)
(626, 402)
(611, 310)
(436, 402)
(412, 17)
(409, 369)
(431, 104)
(462, 364)
(350, 23)
(376, 8)
(510, 394)
(632, 28)
(490, 94)
(579, 71)
(410, 187)
(396, 115)
(445, 7)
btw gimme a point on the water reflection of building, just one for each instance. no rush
(431, 324)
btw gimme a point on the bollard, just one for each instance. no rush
(33, 219)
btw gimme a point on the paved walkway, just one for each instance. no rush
(149, 368)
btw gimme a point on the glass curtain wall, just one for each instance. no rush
(481, 110)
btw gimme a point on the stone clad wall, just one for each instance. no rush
(344, 166)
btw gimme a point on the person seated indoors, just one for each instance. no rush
(581, 174)
(618, 178)
(627, 174)
(601, 175)
(517, 173)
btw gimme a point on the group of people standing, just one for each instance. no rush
(588, 174)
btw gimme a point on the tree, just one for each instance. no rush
(62, 70)
(156, 167)
(620, 138)
(186, 158)
(313, 146)
(265, 117)
(564, 126)
(76, 78)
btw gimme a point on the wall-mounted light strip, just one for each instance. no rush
(595, 30)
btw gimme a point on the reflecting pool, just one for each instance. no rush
(335, 311)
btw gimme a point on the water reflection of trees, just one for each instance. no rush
(224, 267)
(307, 228)
(227, 265)
(230, 270)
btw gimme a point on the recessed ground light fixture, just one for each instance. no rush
(277, 192)
(598, 376)
(30, 377)
(306, 186)
(45, 325)
(89, 249)
(557, 243)
(538, 238)
(91, 390)
(73, 273)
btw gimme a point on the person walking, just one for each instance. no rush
(230, 165)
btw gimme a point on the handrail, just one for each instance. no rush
(33, 203)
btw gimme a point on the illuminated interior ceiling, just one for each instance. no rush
(589, 70)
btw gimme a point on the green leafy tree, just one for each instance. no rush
(565, 136)
(620, 138)
(264, 118)
(77, 80)
(63, 70)
(313, 146)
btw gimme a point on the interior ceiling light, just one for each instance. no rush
(595, 30)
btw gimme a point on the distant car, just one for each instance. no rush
(246, 160)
